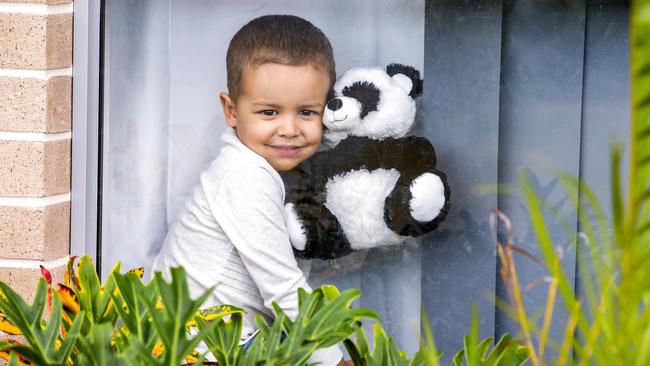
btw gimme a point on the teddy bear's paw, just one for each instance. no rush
(428, 197)
(295, 228)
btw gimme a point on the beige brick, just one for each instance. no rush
(59, 41)
(57, 167)
(59, 104)
(24, 281)
(38, 233)
(30, 41)
(34, 169)
(35, 105)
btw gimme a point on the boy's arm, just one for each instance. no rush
(250, 209)
(251, 213)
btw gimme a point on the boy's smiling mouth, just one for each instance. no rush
(286, 150)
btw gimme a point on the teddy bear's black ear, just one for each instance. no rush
(411, 73)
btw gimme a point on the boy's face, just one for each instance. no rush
(279, 112)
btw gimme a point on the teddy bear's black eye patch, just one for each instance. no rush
(366, 93)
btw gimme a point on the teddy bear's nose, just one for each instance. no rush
(335, 104)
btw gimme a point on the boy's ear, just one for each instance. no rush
(229, 111)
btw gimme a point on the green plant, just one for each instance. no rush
(47, 346)
(325, 318)
(127, 322)
(506, 352)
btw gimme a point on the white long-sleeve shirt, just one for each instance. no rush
(232, 233)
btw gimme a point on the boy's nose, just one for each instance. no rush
(335, 104)
(289, 127)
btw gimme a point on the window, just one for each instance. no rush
(509, 85)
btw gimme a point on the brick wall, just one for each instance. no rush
(35, 139)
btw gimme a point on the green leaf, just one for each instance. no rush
(96, 346)
(470, 342)
(458, 358)
(330, 292)
(13, 360)
(223, 340)
(617, 194)
(353, 351)
(177, 309)
(639, 170)
(28, 319)
(535, 214)
(483, 347)
(429, 350)
(498, 350)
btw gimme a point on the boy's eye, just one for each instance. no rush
(307, 112)
(269, 112)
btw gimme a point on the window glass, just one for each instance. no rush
(164, 68)
(509, 86)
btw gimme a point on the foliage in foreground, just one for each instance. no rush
(128, 322)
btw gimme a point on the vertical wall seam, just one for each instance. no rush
(576, 280)
(100, 137)
(498, 282)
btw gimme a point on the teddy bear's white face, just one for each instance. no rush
(369, 103)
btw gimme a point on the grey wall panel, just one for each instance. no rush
(606, 107)
(605, 102)
(461, 118)
(539, 132)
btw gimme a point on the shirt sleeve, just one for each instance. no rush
(250, 209)
(251, 213)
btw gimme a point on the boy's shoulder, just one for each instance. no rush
(240, 175)
(237, 167)
(228, 187)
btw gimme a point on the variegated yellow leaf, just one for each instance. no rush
(68, 298)
(7, 327)
(214, 312)
(70, 276)
(158, 349)
(6, 355)
(137, 271)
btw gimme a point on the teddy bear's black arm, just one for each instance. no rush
(412, 157)
(325, 237)
(397, 208)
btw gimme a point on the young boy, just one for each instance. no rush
(232, 231)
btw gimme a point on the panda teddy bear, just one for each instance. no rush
(373, 186)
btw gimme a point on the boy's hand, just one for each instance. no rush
(345, 363)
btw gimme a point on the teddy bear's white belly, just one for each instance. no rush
(357, 200)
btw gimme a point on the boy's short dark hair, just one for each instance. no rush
(282, 39)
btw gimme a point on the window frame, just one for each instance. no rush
(85, 229)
